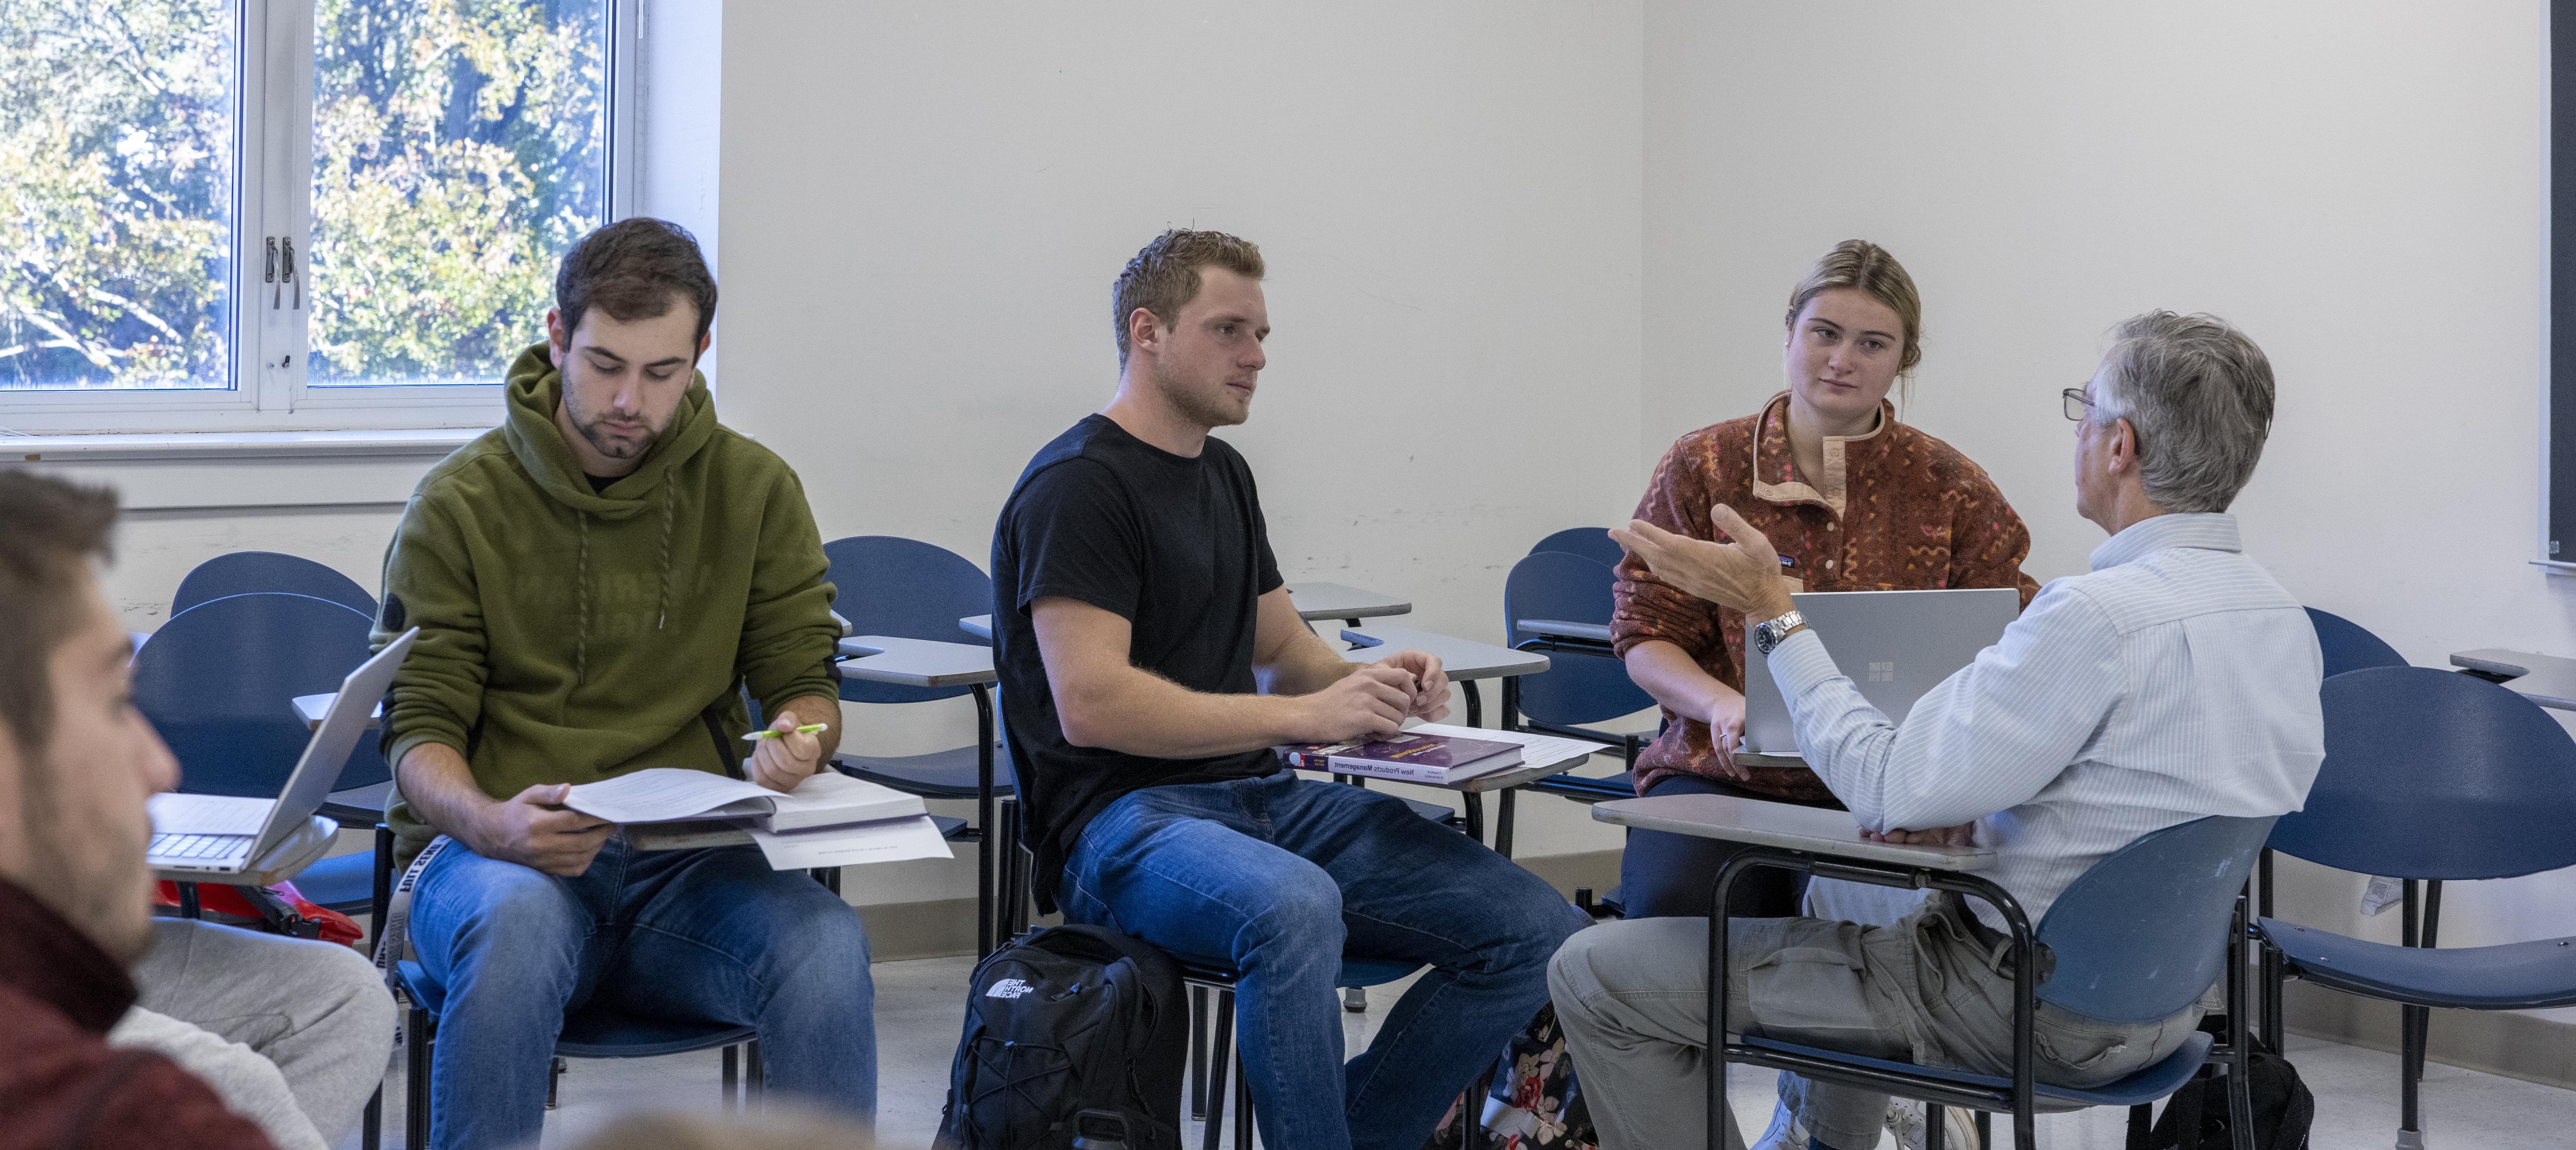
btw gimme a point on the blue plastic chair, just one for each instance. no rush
(218, 682)
(2139, 937)
(591, 1032)
(888, 585)
(2431, 775)
(1592, 543)
(2348, 646)
(248, 572)
(1591, 686)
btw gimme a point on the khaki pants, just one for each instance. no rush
(1634, 1002)
(317, 1012)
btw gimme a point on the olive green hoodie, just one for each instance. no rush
(567, 635)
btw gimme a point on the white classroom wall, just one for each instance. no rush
(2360, 186)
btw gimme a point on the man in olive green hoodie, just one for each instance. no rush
(596, 582)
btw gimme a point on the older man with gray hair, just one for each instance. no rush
(2175, 681)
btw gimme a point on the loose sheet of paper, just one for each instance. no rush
(662, 794)
(855, 844)
(1536, 750)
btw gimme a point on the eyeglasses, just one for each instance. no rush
(2077, 407)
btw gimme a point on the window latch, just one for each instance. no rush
(271, 277)
(288, 274)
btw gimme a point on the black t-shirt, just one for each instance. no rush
(1176, 547)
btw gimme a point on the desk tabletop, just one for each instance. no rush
(1464, 659)
(1335, 601)
(1562, 629)
(1813, 830)
(916, 662)
(2544, 679)
(283, 862)
(980, 626)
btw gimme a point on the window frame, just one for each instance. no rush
(273, 197)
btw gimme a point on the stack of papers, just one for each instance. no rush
(829, 820)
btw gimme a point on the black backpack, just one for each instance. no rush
(2197, 1115)
(1072, 1022)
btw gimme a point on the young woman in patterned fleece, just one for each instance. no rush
(1853, 499)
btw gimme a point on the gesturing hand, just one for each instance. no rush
(781, 763)
(1743, 574)
(534, 829)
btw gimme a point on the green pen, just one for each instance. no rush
(807, 729)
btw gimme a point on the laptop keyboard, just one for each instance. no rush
(198, 847)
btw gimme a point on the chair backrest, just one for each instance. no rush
(889, 585)
(2144, 932)
(248, 572)
(1575, 688)
(219, 680)
(2435, 775)
(2349, 646)
(1592, 543)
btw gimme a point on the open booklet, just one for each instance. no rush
(668, 794)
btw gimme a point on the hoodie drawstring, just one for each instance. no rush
(581, 644)
(662, 599)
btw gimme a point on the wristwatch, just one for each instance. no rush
(1768, 633)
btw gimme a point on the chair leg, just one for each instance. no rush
(1223, 1039)
(1985, 1131)
(416, 1040)
(1355, 999)
(2141, 1128)
(1198, 1053)
(1242, 1106)
(732, 1075)
(371, 1130)
(555, 1068)
(2410, 1126)
(1936, 1132)
(755, 1075)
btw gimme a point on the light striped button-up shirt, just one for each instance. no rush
(2176, 680)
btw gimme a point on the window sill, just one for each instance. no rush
(232, 445)
(243, 470)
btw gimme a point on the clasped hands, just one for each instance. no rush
(1744, 575)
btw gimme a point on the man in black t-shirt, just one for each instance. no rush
(1151, 659)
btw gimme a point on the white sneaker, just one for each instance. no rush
(1905, 1120)
(1785, 1133)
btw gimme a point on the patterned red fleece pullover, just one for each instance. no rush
(1895, 510)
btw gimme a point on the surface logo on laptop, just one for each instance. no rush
(1009, 988)
(1882, 672)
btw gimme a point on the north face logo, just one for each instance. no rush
(1009, 988)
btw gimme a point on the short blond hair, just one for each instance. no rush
(1867, 267)
(1165, 275)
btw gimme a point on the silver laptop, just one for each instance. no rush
(217, 835)
(1895, 646)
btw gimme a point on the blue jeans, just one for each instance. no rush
(1280, 877)
(695, 936)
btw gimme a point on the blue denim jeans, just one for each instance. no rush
(698, 935)
(1281, 877)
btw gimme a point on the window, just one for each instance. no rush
(292, 214)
